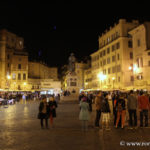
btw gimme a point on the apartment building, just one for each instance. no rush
(110, 63)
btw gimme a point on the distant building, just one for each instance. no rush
(13, 62)
(18, 74)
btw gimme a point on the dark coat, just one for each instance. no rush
(43, 115)
(52, 107)
(122, 102)
(105, 106)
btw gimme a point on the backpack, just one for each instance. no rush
(119, 108)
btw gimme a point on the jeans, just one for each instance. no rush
(98, 116)
(132, 113)
(144, 113)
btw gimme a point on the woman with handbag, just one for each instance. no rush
(43, 112)
(52, 107)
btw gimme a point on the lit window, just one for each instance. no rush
(13, 76)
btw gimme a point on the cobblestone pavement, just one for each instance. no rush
(20, 129)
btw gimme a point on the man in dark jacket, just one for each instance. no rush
(105, 112)
(44, 112)
(132, 107)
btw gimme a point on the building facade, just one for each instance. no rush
(17, 73)
(110, 63)
(140, 67)
(13, 62)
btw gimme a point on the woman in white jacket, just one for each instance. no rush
(84, 113)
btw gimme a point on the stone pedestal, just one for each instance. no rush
(72, 84)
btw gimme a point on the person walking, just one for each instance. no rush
(84, 113)
(98, 103)
(52, 107)
(43, 112)
(132, 108)
(121, 110)
(90, 99)
(144, 106)
(105, 109)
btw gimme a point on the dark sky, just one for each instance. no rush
(57, 29)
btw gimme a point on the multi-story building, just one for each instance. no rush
(13, 62)
(87, 79)
(17, 73)
(43, 78)
(110, 64)
(140, 67)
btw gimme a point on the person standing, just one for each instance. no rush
(98, 103)
(90, 99)
(144, 106)
(132, 107)
(84, 113)
(121, 110)
(44, 112)
(105, 109)
(52, 107)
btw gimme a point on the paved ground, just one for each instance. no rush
(20, 130)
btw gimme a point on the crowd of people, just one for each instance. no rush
(123, 104)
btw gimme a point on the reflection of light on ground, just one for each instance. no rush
(26, 111)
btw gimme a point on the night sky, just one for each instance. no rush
(58, 29)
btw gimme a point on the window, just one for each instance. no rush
(103, 52)
(148, 53)
(138, 42)
(19, 76)
(113, 48)
(114, 69)
(104, 62)
(131, 78)
(108, 60)
(24, 76)
(130, 44)
(104, 71)
(118, 79)
(8, 56)
(131, 55)
(108, 50)
(19, 88)
(118, 45)
(8, 65)
(109, 70)
(113, 58)
(149, 63)
(19, 66)
(14, 76)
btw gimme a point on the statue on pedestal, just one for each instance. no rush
(71, 66)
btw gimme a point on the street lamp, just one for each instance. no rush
(101, 77)
(8, 84)
(113, 78)
(24, 84)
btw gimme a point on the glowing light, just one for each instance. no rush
(24, 83)
(135, 68)
(113, 78)
(101, 76)
(8, 77)
(130, 68)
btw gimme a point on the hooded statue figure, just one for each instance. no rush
(72, 61)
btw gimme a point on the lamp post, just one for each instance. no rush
(101, 77)
(8, 84)
(113, 78)
(24, 85)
